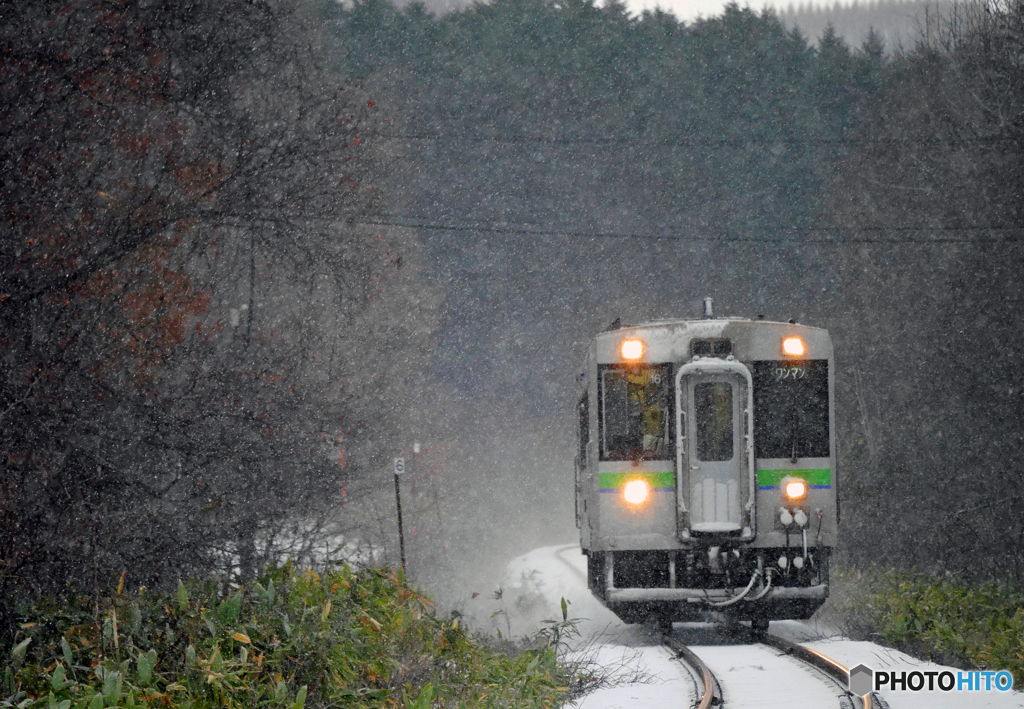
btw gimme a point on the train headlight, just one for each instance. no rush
(636, 492)
(632, 349)
(793, 347)
(794, 489)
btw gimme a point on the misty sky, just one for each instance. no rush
(691, 9)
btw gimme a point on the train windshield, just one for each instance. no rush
(635, 412)
(712, 413)
(791, 409)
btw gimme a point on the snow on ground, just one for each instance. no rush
(549, 574)
(644, 673)
(852, 653)
(659, 680)
(647, 675)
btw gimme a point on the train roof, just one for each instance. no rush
(712, 322)
(670, 340)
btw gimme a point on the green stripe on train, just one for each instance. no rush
(616, 481)
(815, 477)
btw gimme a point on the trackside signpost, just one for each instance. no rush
(399, 469)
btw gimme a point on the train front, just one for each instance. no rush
(705, 473)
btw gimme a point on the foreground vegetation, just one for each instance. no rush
(943, 619)
(293, 639)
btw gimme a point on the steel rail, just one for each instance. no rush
(826, 664)
(712, 693)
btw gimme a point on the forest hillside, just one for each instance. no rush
(900, 23)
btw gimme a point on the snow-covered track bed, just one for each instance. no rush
(834, 670)
(764, 671)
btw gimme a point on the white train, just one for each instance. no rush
(705, 471)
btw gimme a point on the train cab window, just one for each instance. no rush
(712, 414)
(635, 412)
(791, 409)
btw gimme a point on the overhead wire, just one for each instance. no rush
(984, 234)
(688, 141)
(842, 233)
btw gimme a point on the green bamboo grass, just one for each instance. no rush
(944, 619)
(292, 640)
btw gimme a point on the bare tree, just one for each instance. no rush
(183, 290)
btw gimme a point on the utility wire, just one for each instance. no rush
(841, 238)
(841, 235)
(686, 141)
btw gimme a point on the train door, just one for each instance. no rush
(713, 445)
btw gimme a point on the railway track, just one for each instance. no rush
(710, 689)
